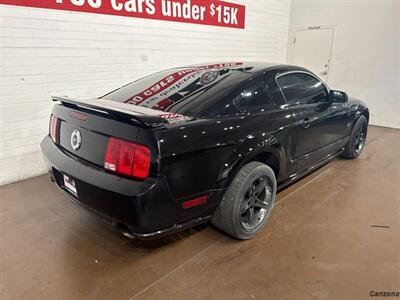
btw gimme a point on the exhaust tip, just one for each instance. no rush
(124, 230)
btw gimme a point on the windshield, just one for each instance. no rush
(187, 91)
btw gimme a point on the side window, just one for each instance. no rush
(253, 98)
(302, 88)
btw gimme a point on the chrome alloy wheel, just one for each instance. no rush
(360, 139)
(256, 204)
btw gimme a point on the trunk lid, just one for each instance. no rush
(95, 121)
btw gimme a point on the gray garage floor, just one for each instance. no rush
(320, 243)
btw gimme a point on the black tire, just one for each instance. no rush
(234, 215)
(357, 140)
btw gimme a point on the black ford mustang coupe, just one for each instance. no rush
(190, 144)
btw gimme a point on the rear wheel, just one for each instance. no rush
(357, 140)
(248, 202)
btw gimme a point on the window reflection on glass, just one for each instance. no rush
(301, 88)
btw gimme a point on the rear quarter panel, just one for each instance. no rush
(204, 155)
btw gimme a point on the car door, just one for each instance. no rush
(320, 123)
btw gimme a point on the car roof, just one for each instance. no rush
(191, 90)
(250, 66)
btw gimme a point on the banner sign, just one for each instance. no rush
(205, 12)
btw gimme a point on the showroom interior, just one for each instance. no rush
(333, 234)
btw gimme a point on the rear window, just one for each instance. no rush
(187, 91)
(254, 98)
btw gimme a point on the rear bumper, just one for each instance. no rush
(141, 209)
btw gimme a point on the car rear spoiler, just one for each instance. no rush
(146, 116)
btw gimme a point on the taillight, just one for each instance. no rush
(127, 158)
(53, 128)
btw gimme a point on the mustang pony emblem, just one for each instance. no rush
(76, 140)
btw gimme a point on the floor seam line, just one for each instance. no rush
(172, 271)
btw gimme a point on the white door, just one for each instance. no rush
(312, 49)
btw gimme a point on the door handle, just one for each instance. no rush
(305, 123)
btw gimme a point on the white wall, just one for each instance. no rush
(45, 52)
(366, 50)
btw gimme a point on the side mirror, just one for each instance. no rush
(338, 97)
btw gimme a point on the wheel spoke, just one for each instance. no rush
(244, 208)
(251, 191)
(260, 187)
(251, 215)
(261, 204)
(360, 131)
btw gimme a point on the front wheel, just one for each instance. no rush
(248, 202)
(357, 140)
